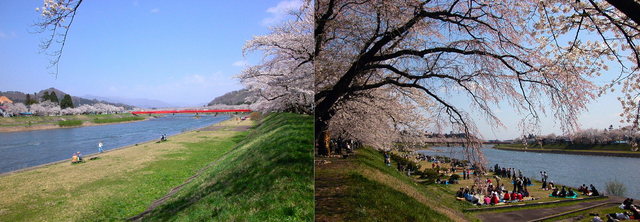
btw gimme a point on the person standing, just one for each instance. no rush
(100, 147)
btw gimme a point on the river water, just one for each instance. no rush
(25, 149)
(567, 169)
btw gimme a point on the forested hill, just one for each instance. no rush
(237, 97)
(20, 97)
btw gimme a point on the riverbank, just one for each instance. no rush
(118, 184)
(122, 183)
(362, 187)
(31, 123)
(614, 153)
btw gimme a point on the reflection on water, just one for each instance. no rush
(572, 170)
(24, 149)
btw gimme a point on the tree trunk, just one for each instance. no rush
(323, 142)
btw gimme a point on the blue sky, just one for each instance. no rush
(180, 52)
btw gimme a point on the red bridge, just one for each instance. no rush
(194, 111)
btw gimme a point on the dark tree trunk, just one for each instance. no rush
(630, 8)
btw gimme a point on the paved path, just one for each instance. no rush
(534, 214)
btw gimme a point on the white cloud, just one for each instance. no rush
(154, 10)
(4, 35)
(240, 63)
(280, 11)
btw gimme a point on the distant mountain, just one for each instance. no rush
(20, 97)
(232, 98)
(138, 102)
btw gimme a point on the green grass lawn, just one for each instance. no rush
(363, 188)
(63, 123)
(586, 216)
(118, 185)
(268, 177)
(117, 119)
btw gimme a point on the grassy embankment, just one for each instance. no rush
(587, 215)
(363, 188)
(124, 182)
(268, 177)
(610, 148)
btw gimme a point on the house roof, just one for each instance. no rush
(4, 99)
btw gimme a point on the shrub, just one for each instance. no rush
(115, 120)
(615, 188)
(69, 123)
(430, 174)
(454, 176)
(255, 116)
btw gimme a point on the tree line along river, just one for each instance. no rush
(20, 150)
(566, 169)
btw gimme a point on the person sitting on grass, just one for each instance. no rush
(626, 204)
(494, 198)
(570, 193)
(594, 192)
(563, 192)
(635, 212)
(74, 158)
(460, 193)
(555, 192)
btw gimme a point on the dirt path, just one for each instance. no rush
(536, 214)
(329, 189)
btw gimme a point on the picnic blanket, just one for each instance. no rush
(569, 197)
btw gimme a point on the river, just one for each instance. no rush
(567, 169)
(31, 148)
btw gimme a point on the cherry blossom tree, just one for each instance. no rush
(283, 81)
(45, 108)
(15, 108)
(56, 19)
(484, 50)
(570, 26)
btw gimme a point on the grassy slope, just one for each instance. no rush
(364, 189)
(269, 177)
(119, 185)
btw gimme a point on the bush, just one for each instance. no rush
(454, 176)
(615, 188)
(115, 120)
(430, 174)
(405, 163)
(255, 116)
(62, 123)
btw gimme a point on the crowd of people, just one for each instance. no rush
(489, 194)
(491, 190)
(632, 212)
(589, 191)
